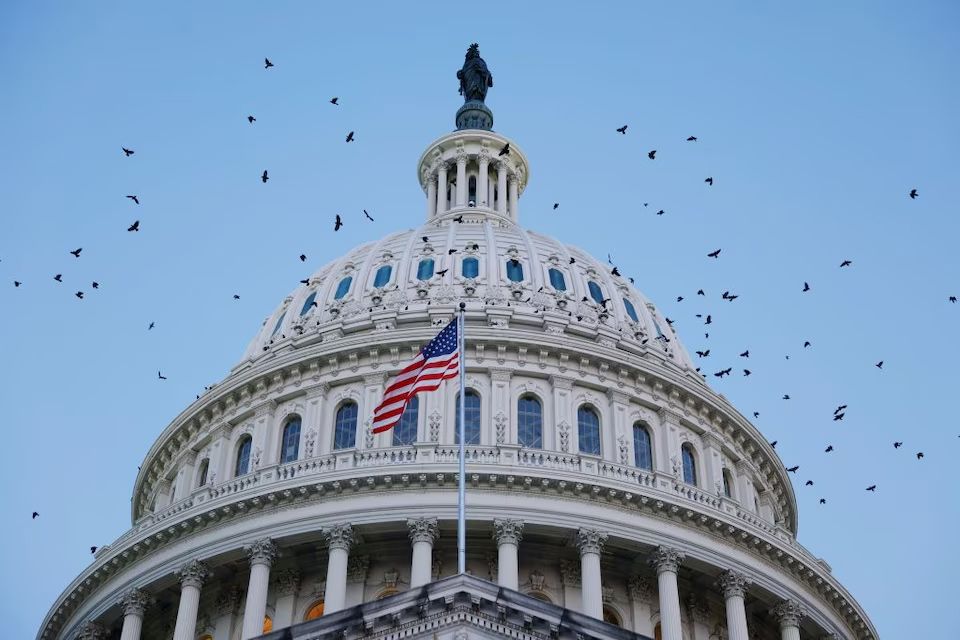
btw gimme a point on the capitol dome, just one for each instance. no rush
(610, 492)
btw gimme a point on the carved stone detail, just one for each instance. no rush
(666, 559)
(92, 630)
(537, 580)
(423, 530)
(309, 443)
(135, 602)
(590, 541)
(564, 436)
(357, 568)
(733, 583)
(435, 426)
(288, 582)
(339, 536)
(391, 577)
(507, 531)
(788, 613)
(262, 551)
(500, 421)
(640, 589)
(226, 603)
(697, 609)
(435, 567)
(193, 574)
(570, 573)
(622, 449)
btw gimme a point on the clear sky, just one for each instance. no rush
(814, 118)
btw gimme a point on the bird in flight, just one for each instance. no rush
(350, 137)
(58, 277)
(135, 226)
(555, 205)
(305, 281)
(442, 272)
(660, 212)
(806, 343)
(34, 516)
(504, 150)
(266, 63)
(806, 287)
(952, 299)
(793, 469)
(264, 176)
(839, 409)
(746, 372)
(823, 501)
(76, 252)
(773, 445)
(756, 414)
(709, 181)
(236, 297)
(151, 326)
(808, 483)
(872, 487)
(93, 549)
(786, 396)
(703, 354)
(828, 449)
(838, 416)
(879, 365)
(622, 129)
(79, 294)
(337, 223)
(652, 155)
(692, 139)
(714, 254)
(160, 375)
(913, 194)
(709, 319)
(368, 215)
(334, 100)
(450, 252)
(251, 119)
(919, 455)
(135, 199)
(723, 372)
(459, 219)
(846, 263)
(127, 152)
(303, 257)
(897, 445)
(573, 260)
(95, 284)
(679, 298)
(745, 354)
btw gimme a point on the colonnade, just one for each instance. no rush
(503, 194)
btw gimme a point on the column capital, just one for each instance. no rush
(462, 158)
(640, 589)
(193, 574)
(788, 613)
(226, 603)
(666, 559)
(92, 630)
(590, 541)
(733, 583)
(339, 536)
(262, 551)
(288, 582)
(135, 602)
(423, 530)
(507, 531)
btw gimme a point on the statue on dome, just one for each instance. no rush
(474, 76)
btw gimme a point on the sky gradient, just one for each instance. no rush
(815, 120)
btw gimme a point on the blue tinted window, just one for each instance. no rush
(726, 484)
(343, 287)
(290, 445)
(642, 452)
(308, 303)
(630, 310)
(345, 427)
(425, 269)
(383, 276)
(514, 271)
(530, 422)
(243, 457)
(405, 432)
(204, 470)
(471, 267)
(588, 430)
(557, 281)
(277, 326)
(471, 412)
(689, 466)
(595, 292)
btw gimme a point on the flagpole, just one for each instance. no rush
(461, 511)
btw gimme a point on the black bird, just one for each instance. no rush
(846, 263)
(337, 223)
(679, 298)
(459, 219)
(723, 372)
(660, 213)
(746, 372)
(350, 137)
(93, 549)
(266, 63)
(160, 376)
(652, 154)
(303, 257)
(952, 299)
(127, 152)
(333, 100)
(806, 343)
(806, 287)
(913, 194)
(135, 226)
(773, 445)
(879, 365)
(556, 204)
(700, 292)
(828, 449)
(808, 483)
(135, 199)
(919, 455)
(897, 445)
(76, 252)
(872, 487)
(264, 177)
(709, 181)
(838, 416)
(152, 325)
(572, 260)
(369, 217)
(505, 150)
(34, 516)
(709, 319)
(450, 252)
(823, 501)
(692, 139)
(442, 272)
(514, 262)
(703, 354)
(745, 354)
(251, 119)
(79, 294)
(756, 414)
(839, 409)
(615, 272)
(622, 129)
(58, 277)
(714, 254)
(236, 297)
(305, 281)
(786, 396)
(793, 469)
(95, 284)
(425, 238)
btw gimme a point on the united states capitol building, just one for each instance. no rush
(611, 493)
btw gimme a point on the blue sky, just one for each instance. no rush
(815, 120)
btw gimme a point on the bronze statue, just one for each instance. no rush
(474, 76)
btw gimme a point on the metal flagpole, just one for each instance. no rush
(461, 511)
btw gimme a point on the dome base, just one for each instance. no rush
(474, 115)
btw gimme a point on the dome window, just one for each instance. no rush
(204, 469)
(277, 326)
(557, 281)
(530, 422)
(642, 450)
(405, 433)
(242, 466)
(470, 268)
(514, 270)
(425, 269)
(343, 287)
(471, 412)
(588, 430)
(689, 465)
(595, 292)
(383, 276)
(727, 483)
(345, 427)
(630, 310)
(290, 444)
(308, 303)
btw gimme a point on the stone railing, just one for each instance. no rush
(548, 460)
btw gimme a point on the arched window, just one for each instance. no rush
(425, 269)
(595, 292)
(277, 326)
(202, 475)
(540, 595)
(630, 310)
(588, 429)
(405, 433)
(267, 624)
(471, 412)
(243, 457)
(657, 632)
(689, 465)
(385, 593)
(642, 451)
(530, 422)
(343, 287)
(383, 276)
(290, 444)
(727, 483)
(315, 611)
(308, 303)
(472, 191)
(345, 427)
(610, 616)
(470, 268)
(514, 270)
(557, 281)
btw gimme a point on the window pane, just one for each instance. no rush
(308, 303)
(557, 281)
(588, 426)
(595, 292)
(472, 414)
(726, 484)
(514, 271)
(689, 467)
(471, 267)
(425, 269)
(530, 422)
(405, 433)
(343, 287)
(277, 326)
(630, 310)
(204, 468)
(243, 458)
(642, 452)
(290, 447)
(383, 276)
(345, 429)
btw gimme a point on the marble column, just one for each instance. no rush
(192, 576)
(441, 188)
(483, 179)
(461, 180)
(134, 602)
(339, 540)
(423, 533)
(507, 534)
(734, 586)
(92, 630)
(224, 608)
(502, 188)
(287, 585)
(431, 196)
(789, 614)
(667, 561)
(262, 553)
(514, 191)
(590, 544)
(640, 592)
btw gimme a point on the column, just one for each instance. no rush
(640, 592)
(461, 179)
(134, 602)
(507, 534)
(789, 613)
(666, 561)
(441, 191)
(220, 455)
(483, 187)
(288, 585)
(590, 543)
(423, 533)
(698, 617)
(192, 576)
(225, 607)
(431, 196)
(514, 197)
(92, 630)
(502, 188)
(734, 587)
(262, 553)
(339, 540)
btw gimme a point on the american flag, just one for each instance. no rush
(438, 361)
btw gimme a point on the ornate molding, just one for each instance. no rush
(666, 559)
(226, 603)
(288, 582)
(590, 541)
(92, 630)
(570, 573)
(789, 613)
(733, 583)
(339, 536)
(697, 609)
(357, 568)
(134, 602)
(507, 531)
(193, 574)
(423, 530)
(640, 589)
(262, 551)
